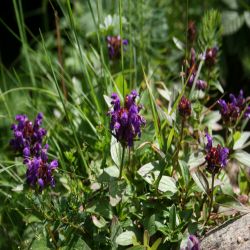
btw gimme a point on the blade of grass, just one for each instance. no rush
(85, 165)
(21, 25)
(93, 95)
(154, 111)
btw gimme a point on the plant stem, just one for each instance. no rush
(211, 199)
(175, 156)
(122, 162)
(121, 35)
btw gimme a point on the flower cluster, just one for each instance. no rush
(192, 71)
(184, 107)
(114, 46)
(28, 139)
(126, 122)
(234, 109)
(216, 157)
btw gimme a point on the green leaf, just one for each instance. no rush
(211, 118)
(125, 238)
(18, 188)
(240, 139)
(119, 82)
(146, 238)
(184, 171)
(150, 224)
(242, 157)
(217, 85)
(116, 190)
(247, 18)
(80, 244)
(170, 138)
(232, 21)
(172, 217)
(116, 151)
(149, 172)
(136, 248)
(200, 180)
(146, 171)
(179, 45)
(231, 4)
(115, 231)
(156, 244)
(167, 184)
(99, 222)
(112, 171)
(107, 100)
(195, 160)
(40, 242)
(165, 93)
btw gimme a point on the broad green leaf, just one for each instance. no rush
(115, 231)
(40, 242)
(167, 184)
(146, 171)
(211, 118)
(116, 190)
(242, 157)
(150, 171)
(112, 171)
(125, 238)
(116, 151)
(179, 45)
(165, 93)
(247, 18)
(195, 160)
(232, 21)
(99, 222)
(18, 188)
(200, 180)
(120, 82)
(241, 140)
(107, 100)
(231, 4)
(150, 224)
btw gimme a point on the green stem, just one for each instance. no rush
(121, 35)
(175, 156)
(211, 199)
(122, 162)
(157, 182)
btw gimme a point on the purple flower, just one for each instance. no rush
(234, 109)
(216, 157)
(114, 46)
(184, 107)
(125, 121)
(28, 139)
(192, 71)
(193, 243)
(39, 172)
(210, 57)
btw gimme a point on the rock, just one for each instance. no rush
(229, 236)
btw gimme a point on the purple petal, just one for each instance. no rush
(209, 142)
